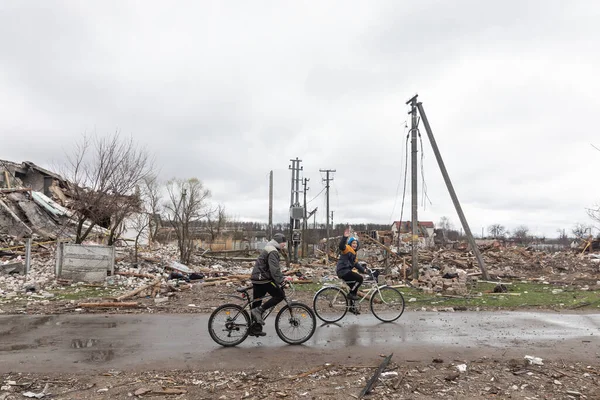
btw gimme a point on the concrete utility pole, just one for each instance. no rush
(459, 211)
(414, 174)
(304, 243)
(270, 228)
(294, 206)
(326, 180)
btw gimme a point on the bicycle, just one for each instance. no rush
(235, 322)
(386, 303)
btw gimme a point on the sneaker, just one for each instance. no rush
(257, 315)
(352, 296)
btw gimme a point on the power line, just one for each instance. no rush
(424, 187)
(324, 187)
(399, 178)
(405, 175)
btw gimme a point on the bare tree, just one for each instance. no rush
(145, 223)
(104, 173)
(581, 230)
(185, 206)
(140, 223)
(152, 200)
(497, 230)
(521, 232)
(562, 236)
(216, 220)
(445, 225)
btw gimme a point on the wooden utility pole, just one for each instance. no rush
(414, 173)
(327, 179)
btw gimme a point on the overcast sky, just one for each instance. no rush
(228, 91)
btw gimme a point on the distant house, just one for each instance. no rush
(425, 228)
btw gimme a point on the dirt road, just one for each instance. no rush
(76, 343)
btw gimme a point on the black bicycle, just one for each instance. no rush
(230, 324)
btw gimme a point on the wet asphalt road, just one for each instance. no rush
(74, 343)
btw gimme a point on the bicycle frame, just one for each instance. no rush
(249, 300)
(375, 287)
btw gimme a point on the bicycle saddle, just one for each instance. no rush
(243, 289)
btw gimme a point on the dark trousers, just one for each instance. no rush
(353, 280)
(260, 290)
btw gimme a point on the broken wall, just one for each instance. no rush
(84, 263)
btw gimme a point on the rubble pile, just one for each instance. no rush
(15, 285)
(450, 280)
(157, 277)
(512, 263)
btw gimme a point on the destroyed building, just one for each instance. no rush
(29, 175)
(34, 203)
(402, 232)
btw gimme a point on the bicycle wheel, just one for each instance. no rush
(229, 325)
(330, 304)
(295, 323)
(387, 305)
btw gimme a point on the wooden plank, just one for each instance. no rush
(139, 290)
(375, 377)
(7, 179)
(108, 305)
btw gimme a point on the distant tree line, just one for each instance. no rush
(113, 185)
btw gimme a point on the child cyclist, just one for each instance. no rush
(347, 262)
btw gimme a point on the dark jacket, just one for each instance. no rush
(267, 269)
(347, 259)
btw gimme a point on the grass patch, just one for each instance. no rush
(82, 292)
(520, 295)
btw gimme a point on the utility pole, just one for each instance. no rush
(459, 211)
(332, 224)
(270, 227)
(304, 243)
(327, 179)
(414, 174)
(295, 207)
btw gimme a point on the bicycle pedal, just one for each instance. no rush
(260, 334)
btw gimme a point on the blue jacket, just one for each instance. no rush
(347, 260)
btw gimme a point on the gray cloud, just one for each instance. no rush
(228, 92)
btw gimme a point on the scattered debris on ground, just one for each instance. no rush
(482, 378)
(157, 282)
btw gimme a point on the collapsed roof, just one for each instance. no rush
(32, 203)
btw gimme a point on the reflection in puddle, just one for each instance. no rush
(81, 343)
(101, 353)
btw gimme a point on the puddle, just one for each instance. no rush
(83, 343)
(99, 352)
(101, 355)
(15, 347)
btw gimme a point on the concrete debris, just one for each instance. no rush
(158, 276)
(534, 360)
